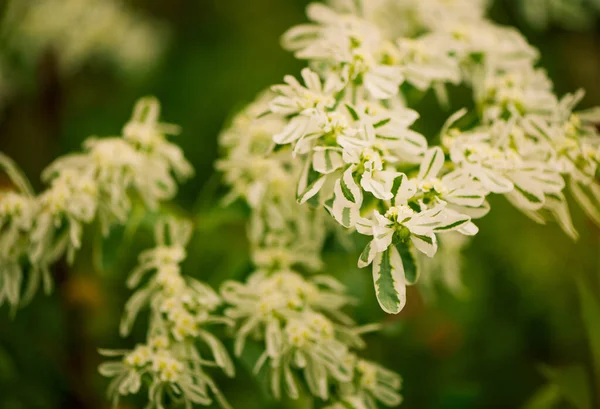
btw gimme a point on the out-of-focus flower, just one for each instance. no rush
(181, 309)
(98, 184)
(86, 30)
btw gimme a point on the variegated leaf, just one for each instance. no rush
(432, 163)
(389, 281)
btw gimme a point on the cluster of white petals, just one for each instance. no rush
(86, 29)
(298, 322)
(334, 152)
(181, 309)
(342, 138)
(98, 184)
(300, 325)
(349, 127)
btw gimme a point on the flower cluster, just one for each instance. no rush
(302, 329)
(281, 232)
(181, 308)
(298, 321)
(348, 126)
(98, 184)
(87, 29)
(371, 383)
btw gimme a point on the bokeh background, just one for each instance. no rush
(518, 337)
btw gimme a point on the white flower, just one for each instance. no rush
(457, 189)
(295, 98)
(350, 45)
(483, 162)
(353, 152)
(300, 324)
(427, 60)
(70, 202)
(181, 309)
(382, 384)
(87, 29)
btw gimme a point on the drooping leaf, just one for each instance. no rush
(389, 281)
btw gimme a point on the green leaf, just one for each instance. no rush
(346, 191)
(409, 261)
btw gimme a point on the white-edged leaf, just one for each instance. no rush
(466, 197)
(327, 160)
(558, 206)
(290, 383)
(296, 129)
(403, 189)
(310, 184)
(349, 188)
(452, 221)
(273, 338)
(494, 182)
(587, 196)
(432, 163)
(219, 353)
(425, 243)
(389, 281)
(367, 256)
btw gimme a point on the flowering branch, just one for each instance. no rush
(180, 309)
(98, 184)
(347, 128)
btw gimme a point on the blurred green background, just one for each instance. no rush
(485, 350)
